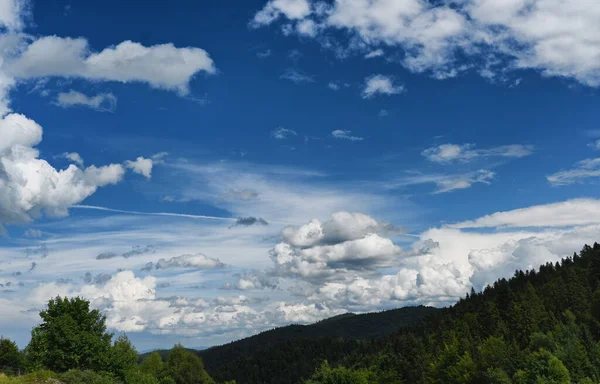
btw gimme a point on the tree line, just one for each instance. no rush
(539, 327)
(73, 346)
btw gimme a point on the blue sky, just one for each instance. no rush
(206, 171)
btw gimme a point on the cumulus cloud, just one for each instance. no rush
(132, 305)
(291, 9)
(161, 66)
(197, 261)
(495, 36)
(143, 166)
(103, 102)
(253, 280)
(584, 169)
(30, 185)
(345, 135)
(348, 241)
(283, 133)
(380, 85)
(448, 153)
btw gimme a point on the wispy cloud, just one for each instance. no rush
(448, 153)
(103, 102)
(375, 53)
(297, 77)
(281, 133)
(444, 183)
(380, 85)
(264, 54)
(584, 169)
(345, 135)
(185, 215)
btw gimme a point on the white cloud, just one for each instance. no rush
(29, 185)
(197, 261)
(555, 38)
(444, 183)
(375, 53)
(380, 85)
(283, 133)
(595, 145)
(447, 153)
(322, 268)
(584, 169)
(347, 242)
(566, 213)
(143, 166)
(291, 9)
(277, 194)
(18, 130)
(72, 156)
(345, 135)
(33, 233)
(140, 166)
(297, 77)
(307, 28)
(104, 102)
(264, 54)
(12, 13)
(333, 86)
(161, 66)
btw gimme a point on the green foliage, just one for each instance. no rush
(75, 376)
(10, 357)
(186, 367)
(71, 336)
(137, 376)
(153, 365)
(544, 368)
(288, 354)
(341, 375)
(122, 357)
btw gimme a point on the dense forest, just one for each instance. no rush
(283, 355)
(540, 327)
(537, 327)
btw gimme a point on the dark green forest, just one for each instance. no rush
(540, 327)
(291, 352)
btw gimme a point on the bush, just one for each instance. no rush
(135, 376)
(86, 377)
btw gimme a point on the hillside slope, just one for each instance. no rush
(295, 350)
(540, 326)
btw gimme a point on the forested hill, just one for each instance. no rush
(541, 326)
(288, 347)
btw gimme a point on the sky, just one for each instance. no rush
(208, 170)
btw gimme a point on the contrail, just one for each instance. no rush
(97, 208)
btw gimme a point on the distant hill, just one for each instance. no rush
(297, 349)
